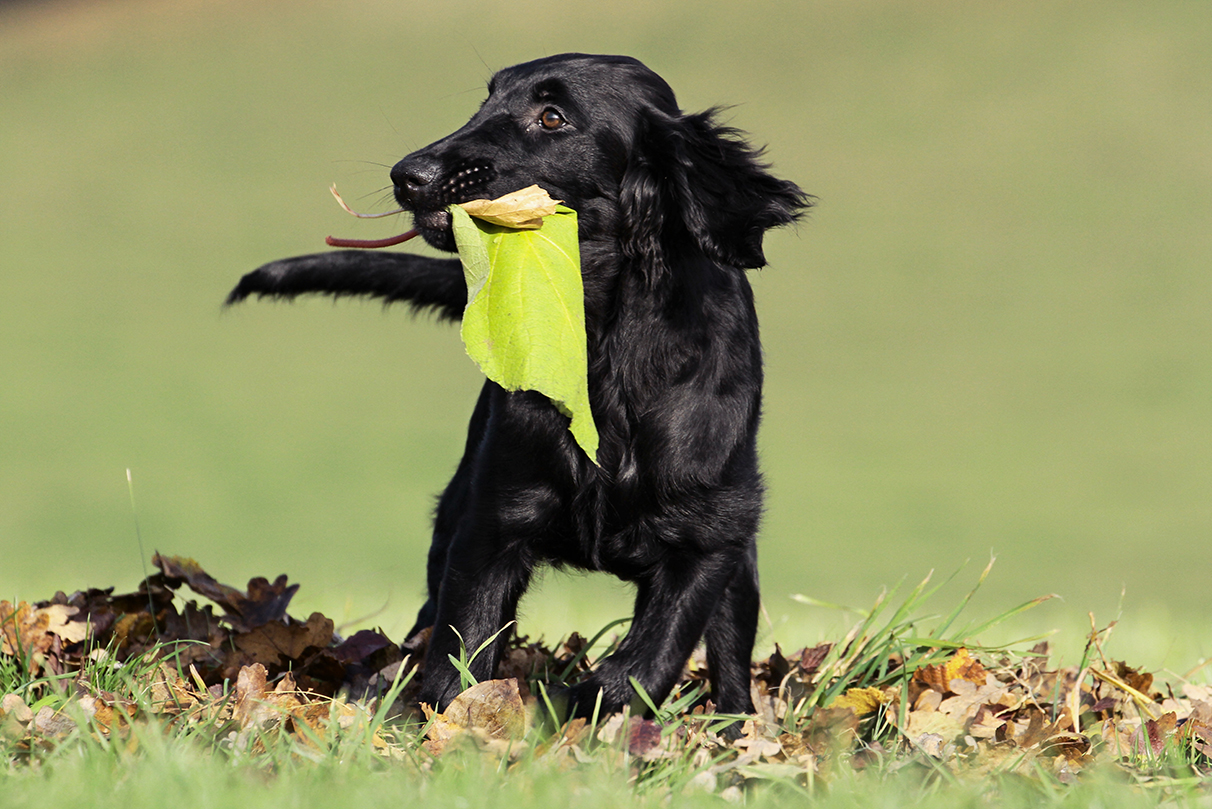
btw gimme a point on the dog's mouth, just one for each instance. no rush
(429, 207)
(434, 227)
(428, 186)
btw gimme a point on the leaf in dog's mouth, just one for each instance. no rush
(524, 324)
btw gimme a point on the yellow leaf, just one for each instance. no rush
(964, 667)
(522, 209)
(860, 700)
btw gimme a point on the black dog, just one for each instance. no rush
(672, 208)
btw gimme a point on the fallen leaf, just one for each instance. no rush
(52, 724)
(644, 737)
(251, 704)
(811, 659)
(29, 632)
(1136, 679)
(15, 718)
(969, 698)
(274, 643)
(860, 700)
(960, 666)
(490, 710)
(263, 603)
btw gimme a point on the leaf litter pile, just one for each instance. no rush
(243, 675)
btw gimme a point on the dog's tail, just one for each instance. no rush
(424, 282)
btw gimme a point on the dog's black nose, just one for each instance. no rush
(415, 172)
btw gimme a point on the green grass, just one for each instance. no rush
(178, 775)
(992, 335)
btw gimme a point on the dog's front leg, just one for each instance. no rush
(423, 281)
(479, 597)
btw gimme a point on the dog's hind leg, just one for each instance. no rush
(673, 606)
(729, 636)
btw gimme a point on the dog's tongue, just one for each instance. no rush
(333, 241)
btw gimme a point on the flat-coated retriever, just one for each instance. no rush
(672, 208)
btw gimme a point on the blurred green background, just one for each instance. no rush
(993, 336)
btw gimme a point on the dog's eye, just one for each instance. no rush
(551, 119)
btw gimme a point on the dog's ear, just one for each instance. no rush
(689, 178)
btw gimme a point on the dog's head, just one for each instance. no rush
(604, 134)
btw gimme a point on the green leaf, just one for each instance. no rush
(524, 324)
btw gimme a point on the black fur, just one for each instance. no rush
(672, 209)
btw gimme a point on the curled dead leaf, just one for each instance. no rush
(960, 666)
(25, 629)
(491, 710)
(523, 209)
(251, 708)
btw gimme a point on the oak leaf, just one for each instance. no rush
(272, 642)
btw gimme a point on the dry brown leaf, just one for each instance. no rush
(274, 642)
(1197, 730)
(831, 728)
(1136, 679)
(811, 659)
(188, 570)
(927, 723)
(491, 710)
(1199, 693)
(51, 724)
(1038, 728)
(960, 666)
(251, 708)
(25, 629)
(170, 693)
(522, 209)
(969, 698)
(1074, 747)
(15, 718)
(985, 724)
(264, 602)
(643, 738)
